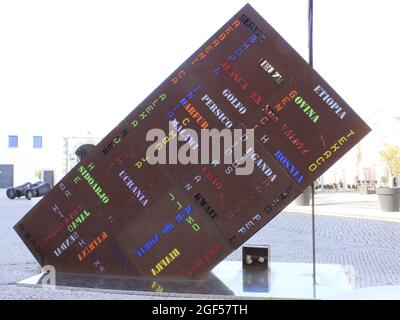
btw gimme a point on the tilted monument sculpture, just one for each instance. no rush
(115, 213)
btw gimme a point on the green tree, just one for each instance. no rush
(391, 156)
(39, 174)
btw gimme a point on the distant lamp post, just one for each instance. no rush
(358, 158)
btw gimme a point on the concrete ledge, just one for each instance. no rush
(285, 281)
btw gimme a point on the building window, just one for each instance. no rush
(37, 141)
(13, 141)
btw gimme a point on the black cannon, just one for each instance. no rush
(29, 190)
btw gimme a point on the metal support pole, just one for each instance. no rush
(311, 61)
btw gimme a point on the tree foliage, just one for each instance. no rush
(391, 156)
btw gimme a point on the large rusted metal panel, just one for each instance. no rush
(188, 218)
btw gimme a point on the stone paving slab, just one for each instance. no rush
(347, 204)
(367, 246)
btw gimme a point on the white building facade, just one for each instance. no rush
(364, 161)
(30, 156)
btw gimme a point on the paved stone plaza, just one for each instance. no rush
(350, 231)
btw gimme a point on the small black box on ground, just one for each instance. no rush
(255, 261)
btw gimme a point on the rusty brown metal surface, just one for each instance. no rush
(193, 216)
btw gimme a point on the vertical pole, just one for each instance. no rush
(313, 239)
(310, 33)
(311, 62)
